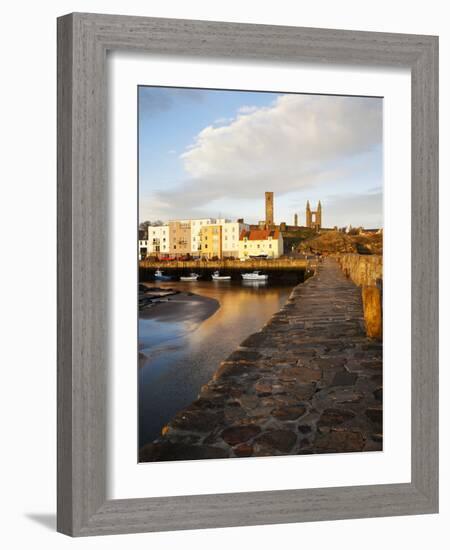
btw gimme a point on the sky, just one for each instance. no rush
(213, 153)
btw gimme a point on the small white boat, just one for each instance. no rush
(255, 276)
(190, 277)
(216, 276)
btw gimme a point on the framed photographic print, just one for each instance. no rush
(247, 282)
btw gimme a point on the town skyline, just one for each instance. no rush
(213, 153)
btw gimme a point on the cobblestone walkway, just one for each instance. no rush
(309, 382)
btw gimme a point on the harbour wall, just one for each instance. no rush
(366, 271)
(295, 270)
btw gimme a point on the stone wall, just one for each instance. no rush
(366, 271)
(363, 270)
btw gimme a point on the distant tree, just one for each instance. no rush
(143, 225)
(147, 223)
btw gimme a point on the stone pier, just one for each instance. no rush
(309, 382)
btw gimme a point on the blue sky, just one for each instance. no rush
(205, 153)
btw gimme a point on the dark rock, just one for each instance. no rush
(331, 417)
(232, 368)
(289, 413)
(249, 401)
(377, 378)
(244, 355)
(231, 414)
(197, 420)
(375, 414)
(301, 374)
(344, 378)
(339, 441)
(243, 450)
(264, 387)
(275, 440)
(303, 392)
(217, 402)
(304, 429)
(378, 394)
(239, 434)
(255, 340)
(344, 395)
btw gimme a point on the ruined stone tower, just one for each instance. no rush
(296, 220)
(314, 217)
(269, 208)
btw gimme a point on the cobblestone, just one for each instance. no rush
(309, 382)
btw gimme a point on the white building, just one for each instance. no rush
(260, 242)
(158, 239)
(196, 227)
(230, 237)
(143, 249)
(230, 234)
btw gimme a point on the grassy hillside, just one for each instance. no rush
(333, 242)
(292, 239)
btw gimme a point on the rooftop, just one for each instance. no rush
(259, 234)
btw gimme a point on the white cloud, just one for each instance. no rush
(298, 142)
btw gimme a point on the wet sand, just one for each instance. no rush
(183, 306)
(182, 341)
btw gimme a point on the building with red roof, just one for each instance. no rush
(260, 243)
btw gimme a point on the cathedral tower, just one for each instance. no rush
(269, 208)
(314, 217)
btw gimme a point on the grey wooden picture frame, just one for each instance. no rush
(83, 42)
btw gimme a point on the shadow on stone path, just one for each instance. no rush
(309, 382)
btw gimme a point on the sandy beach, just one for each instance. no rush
(180, 306)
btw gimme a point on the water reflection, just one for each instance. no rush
(181, 350)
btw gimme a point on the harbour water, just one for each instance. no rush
(183, 341)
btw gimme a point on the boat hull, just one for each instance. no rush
(255, 277)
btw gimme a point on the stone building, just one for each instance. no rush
(269, 208)
(179, 238)
(314, 217)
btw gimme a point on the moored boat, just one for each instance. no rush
(216, 276)
(190, 277)
(161, 277)
(254, 276)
